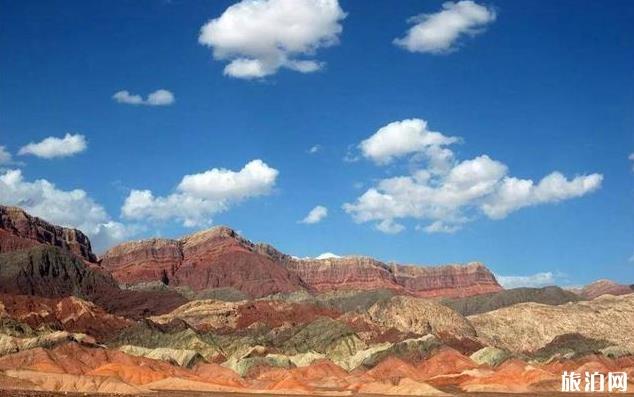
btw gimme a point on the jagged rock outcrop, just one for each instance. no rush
(19, 230)
(219, 258)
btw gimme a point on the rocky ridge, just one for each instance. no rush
(19, 230)
(220, 258)
(603, 287)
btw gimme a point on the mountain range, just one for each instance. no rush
(215, 312)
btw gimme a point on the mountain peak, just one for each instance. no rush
(19, 230)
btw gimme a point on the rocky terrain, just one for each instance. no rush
(219, 258)
(215, 313)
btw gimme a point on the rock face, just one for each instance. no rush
(450, 280)
(51, 272)
(602, 287)
(216, 258)
(343, 273)
(527, 327)
(19, 230)
(219, 258)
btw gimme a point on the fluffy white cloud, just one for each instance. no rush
(446, 192)
(315, 215)
(631, 158)
(258, 37)
(438, 32)
(200, 196)
(159, 97)
(52, 147)
(71, 208)
(314, 149)
(401, 138)
(513, 194)
(535, 280)
(5, 156)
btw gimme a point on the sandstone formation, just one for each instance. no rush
(219, 258)
(216, 258)
(19, 230)
(603, 287)
(70, 314)
(527, 327)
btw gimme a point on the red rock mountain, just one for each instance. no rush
(367, 273)
(215, 258)
(603, 287)
(19, 230)
(219, 258)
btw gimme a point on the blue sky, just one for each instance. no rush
(535, 87)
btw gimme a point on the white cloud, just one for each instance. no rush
(52, 147)
(446, 192)
(631, 158)
(513, 193)
(200, 196)
(315, 215)
(535, 280)
(159, 97)
(258, 37)
(388, 226)
(314, 149)
(71, 208)
(130, 99)
(401, 138)
(437, 33)
(5, 156)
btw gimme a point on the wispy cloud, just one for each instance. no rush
(534, 280)
(315, 215)
(438, 33)
(5, 156)
(159, 97)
